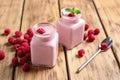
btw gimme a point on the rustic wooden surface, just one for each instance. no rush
(97, 69)
(22, 14)
(10, 17)
(109, 13)
(35, 12)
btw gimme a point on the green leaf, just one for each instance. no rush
(77, 11)
(72, 10)
(68, 9)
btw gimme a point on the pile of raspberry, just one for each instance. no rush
(22, 48)
(89, 35)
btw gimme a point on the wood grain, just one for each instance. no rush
(42, 11)
(10, 17)
(104, 66)
(110, 16)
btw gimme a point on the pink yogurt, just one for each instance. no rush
(44, 47)
(70, 29)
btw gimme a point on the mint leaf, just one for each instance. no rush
(72, 10)
(77, 11)
(68, 9)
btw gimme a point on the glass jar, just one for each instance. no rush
(70, 29)
(44, 46)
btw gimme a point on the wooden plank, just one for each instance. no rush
(104, 66)
(110, 15)
(42, 11)
(10, 17)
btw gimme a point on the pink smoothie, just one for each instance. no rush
(44, 47)
(70, 29)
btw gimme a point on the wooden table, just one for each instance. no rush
(22, 14)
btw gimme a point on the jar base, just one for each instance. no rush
(45, 66)
(70, 47)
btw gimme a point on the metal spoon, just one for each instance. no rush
(108, 41)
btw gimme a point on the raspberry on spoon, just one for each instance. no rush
(104, 46)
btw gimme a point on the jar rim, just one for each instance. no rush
(42, 25)
(63, 14)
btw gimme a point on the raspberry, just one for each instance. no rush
(91, 37)
(29, 32)
(96, 31)
(81, 52)
(15, 62)
(18, 41)
(23, 60)
(85, 36)
(11, 40)
(16, 46)
(28, 56)
(104, 46)
(86, 26)
(7, 31)
(21, 48)
(20, 53)
(90, 32)
(71, 15)
(25, 44)
(26, 67)
(18, 34)
(24, 40)
(26, 49)
(29, 40)
(26, 36)
(2, 55)
(41, 31)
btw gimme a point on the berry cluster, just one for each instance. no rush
(90, 36)
(91, 33)
(22, 48)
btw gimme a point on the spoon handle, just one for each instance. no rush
(88, 61)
